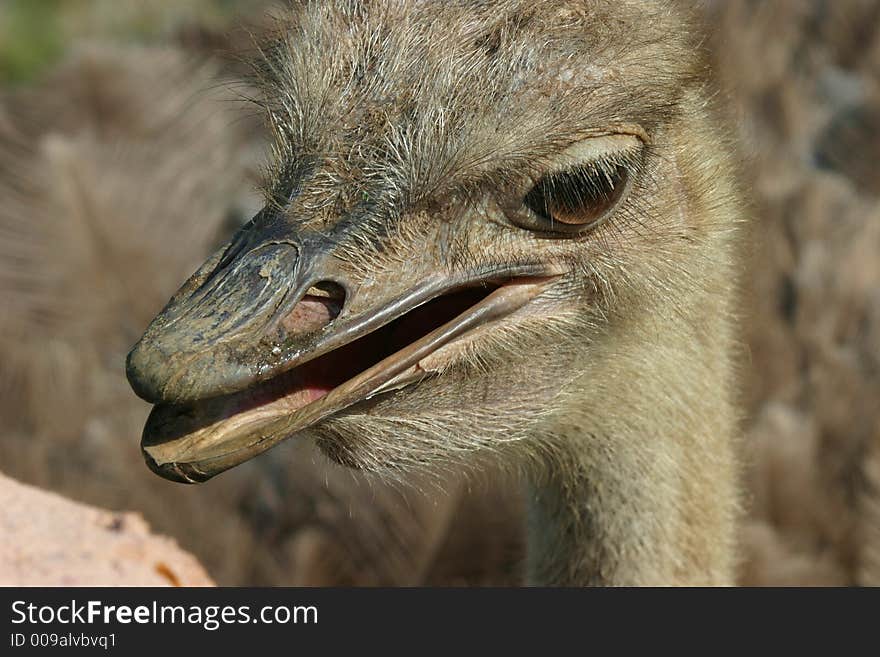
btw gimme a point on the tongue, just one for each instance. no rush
(289, 392)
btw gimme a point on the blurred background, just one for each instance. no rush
(127, 154)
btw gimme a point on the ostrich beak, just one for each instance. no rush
(271, 336)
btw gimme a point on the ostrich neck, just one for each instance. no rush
(638, 486)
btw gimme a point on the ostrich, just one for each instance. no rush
(495, 231)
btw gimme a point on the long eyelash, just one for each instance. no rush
(573, 187)
(605, 167)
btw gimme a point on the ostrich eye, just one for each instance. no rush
(577, 199)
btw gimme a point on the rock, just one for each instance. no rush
(49, 540)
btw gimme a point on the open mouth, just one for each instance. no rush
(191, 442)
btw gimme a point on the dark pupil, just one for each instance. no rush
(577, 197)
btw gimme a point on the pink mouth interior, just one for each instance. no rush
(311, 381)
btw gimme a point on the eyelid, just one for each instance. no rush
(595, 149)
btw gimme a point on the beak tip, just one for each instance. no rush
(137, 369)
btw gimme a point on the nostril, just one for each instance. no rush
(327, 290)
(321, 304)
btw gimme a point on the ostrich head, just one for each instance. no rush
(478, 214)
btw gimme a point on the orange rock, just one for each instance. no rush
(52, 541)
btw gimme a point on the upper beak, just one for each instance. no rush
(227, 331)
